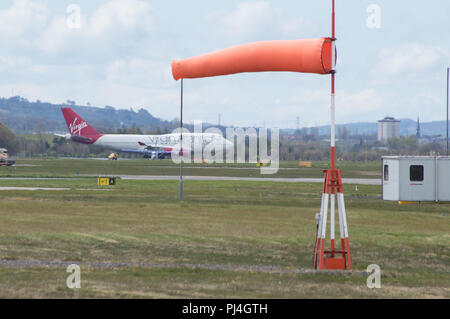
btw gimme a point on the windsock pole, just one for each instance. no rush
(448, 80)
(332, 259)
(181, 143)
(333, 82)
(333, 119)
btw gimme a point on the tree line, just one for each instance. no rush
(302, 146)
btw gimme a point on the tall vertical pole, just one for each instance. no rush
(333, 127)
(333, 79)
(448, 77)
(332, 190)
(181, 143)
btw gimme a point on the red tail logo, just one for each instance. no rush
(77, 126)
(75, 129)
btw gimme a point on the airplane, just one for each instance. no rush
(151, 146)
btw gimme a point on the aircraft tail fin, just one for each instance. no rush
(76, 125)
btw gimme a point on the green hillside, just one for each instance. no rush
(25, 117)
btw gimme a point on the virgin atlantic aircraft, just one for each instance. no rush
(157, 146)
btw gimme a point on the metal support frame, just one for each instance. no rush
(332, 259)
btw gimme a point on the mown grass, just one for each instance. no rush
(220, 222)
(188, 283)
(80, 167)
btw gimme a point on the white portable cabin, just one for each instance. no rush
(416, 178)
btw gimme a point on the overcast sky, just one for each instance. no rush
(121, 56)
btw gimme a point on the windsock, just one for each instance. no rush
(305, 56)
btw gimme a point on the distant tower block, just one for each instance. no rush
(418, 133)
(388, 128)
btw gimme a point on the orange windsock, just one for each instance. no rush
(306, 56)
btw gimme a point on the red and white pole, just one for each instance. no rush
(333, 119)
(332, 192)
(333, 82)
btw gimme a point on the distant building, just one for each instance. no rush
(388, 128)
(418, 132)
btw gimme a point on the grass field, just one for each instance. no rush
(226, 239)
(78, 167)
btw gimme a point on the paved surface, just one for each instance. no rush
(360, 181)
(26, 165)
(225, 167)
(32, 189)
(51, 189)
(37, 178)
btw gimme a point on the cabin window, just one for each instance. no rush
(386, 172)
(416, 173)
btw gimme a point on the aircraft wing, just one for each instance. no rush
(75, 138)
(158, 148)
(135, 151)
(66, 136)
